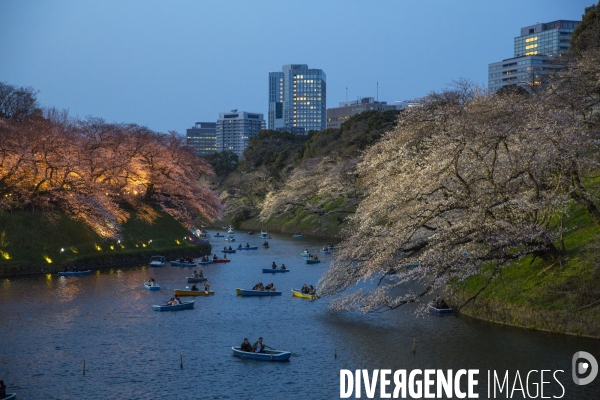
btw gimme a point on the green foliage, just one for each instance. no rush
(272, 150)
(223, 163)
(587, 34)
(354, 136)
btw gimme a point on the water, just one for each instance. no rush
(50, 325)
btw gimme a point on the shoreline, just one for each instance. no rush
(96, 262)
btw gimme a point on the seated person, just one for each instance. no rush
(170, 302)
(206, 287)
(247, 245)
(272, 288)
(225, 257)
(312, 290)
(180, 259)
(258, 347)
(282, 266)
(194, 274)
(225, 248)
(304, 289)
(176, 300)
(194, 288)
(259, 286)
(200, 275)
(230, 248)
(268, 287)
(240, 246)
(215, 257)
(246, 346)
(274, 266)
(305, 251)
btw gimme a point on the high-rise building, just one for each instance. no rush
(235, 128)
(202, 137)
(533, 51)
(338, 115)
(297, 99)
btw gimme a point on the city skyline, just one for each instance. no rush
(166, 66)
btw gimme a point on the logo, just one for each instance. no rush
(582, 367)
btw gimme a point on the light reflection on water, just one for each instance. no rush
(49, 326)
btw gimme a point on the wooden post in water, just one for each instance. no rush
(181, 361)
(84, 367)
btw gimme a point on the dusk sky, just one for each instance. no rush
(168, 64)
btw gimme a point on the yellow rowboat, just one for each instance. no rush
(298, 293)
(181, 292)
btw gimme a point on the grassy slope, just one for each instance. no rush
(31, 237)
(543, 295)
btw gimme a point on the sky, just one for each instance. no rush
(168, 64)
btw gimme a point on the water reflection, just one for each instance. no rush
(106, 319)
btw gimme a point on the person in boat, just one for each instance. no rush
(304, 289)
(176, 301)
(195, 274)
(225, 257)
(246, 346)
(225, 248)
(283, 266)
(230, 248)
(206, 286)
(274, 266)
(194, 288)
(440, 304)
(181, 259)
(170, 302)
(266, 244)
(272, 288)
(269, 287)
(312, 290)
(247, 245)
(201, 274)
(259, 286)
(215, 257)
(151, 282)
(191, 259)
(258, 347)
(240, 246)
(306, 251)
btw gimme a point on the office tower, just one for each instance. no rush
(235, 128)
(533, 51)
(297, 99)
(202, 137)
(336, 116)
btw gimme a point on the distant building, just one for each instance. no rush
(297, 99)
(533, 51)
(235, 128)
(203, 138)
(338, 115)
(405, 104)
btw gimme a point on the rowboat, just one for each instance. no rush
(247, 292)
(205, 262)
(230, 238)
(75, 273)
(313, 261)
(220, 260)
(248, 248)
(440, 310)
(298, 293)
(191, 279)
(153, 287)
(218, 235)
(268, 355)
(183, 264)
(305, 254)
(265, 246)
(184, 292)
(228, 251)
(274, 271)
(230, 231)
(183, 306)
(157, 261)
(10, 396)
(325, 252)
(298, 235)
